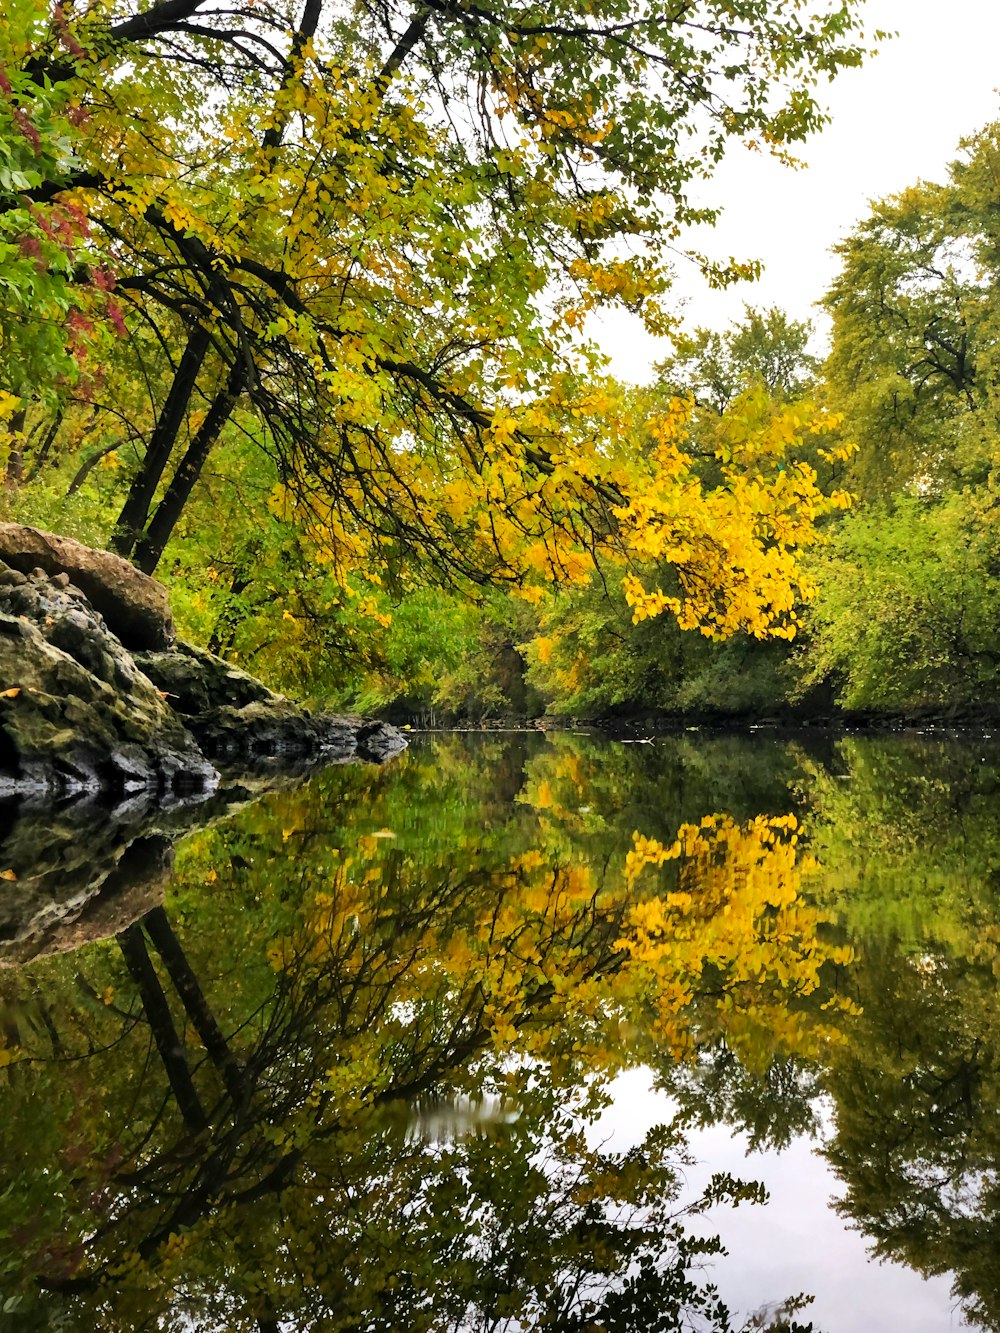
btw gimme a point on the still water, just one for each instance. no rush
(518, 1032)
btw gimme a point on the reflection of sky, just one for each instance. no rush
(796, 1243)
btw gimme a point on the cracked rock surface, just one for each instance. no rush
(76, 713)
(96, 697)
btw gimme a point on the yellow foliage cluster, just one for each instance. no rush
(738, 915)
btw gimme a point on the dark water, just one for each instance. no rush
(515, 1033)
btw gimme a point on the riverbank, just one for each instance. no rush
(98, 696)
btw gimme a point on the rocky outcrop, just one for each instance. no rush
(76, 713)
(239, 722)
(84, 709)
(134, 607)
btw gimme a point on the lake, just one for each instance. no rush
(519, 1031)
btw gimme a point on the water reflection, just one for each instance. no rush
(341, 1077)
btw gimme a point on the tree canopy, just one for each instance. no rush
(366, 237)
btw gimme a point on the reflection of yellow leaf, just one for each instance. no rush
(12, 693)
(7, 874)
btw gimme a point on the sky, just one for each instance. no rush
(896, 120)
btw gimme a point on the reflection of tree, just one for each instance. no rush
(225, 1134)
(772, 1103)
(908, 833)
(917, 1095)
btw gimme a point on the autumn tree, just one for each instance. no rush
(369, 236)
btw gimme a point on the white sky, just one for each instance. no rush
(896, 120)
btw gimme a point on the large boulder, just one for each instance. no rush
(76, 714)
(134, 606)
(82, 711)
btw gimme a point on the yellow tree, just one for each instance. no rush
(371, 233)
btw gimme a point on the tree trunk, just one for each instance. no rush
(168, 946)
(135, 511)
(161, 1023)
(14, 474)
(148, 550)
(42, 453)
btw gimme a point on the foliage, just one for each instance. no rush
(765, 350)
(362, 242)
(587, 659)
(907, 613)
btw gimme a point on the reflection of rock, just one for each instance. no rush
(86, 871)
(103, 703)
(69, 898)
(79, 874)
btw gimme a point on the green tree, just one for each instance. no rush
(766, 349)
(906, 616)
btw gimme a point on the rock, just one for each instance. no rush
(378, 741)
(80, 712)
(239, 722)
(75, 712)
(134, 606)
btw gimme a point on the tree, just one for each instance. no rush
(767, 350)
(371, 242)
(917, 1116)
(586, 658)
(905, 620)
(906, 617)
(915, 331)
(48, 304)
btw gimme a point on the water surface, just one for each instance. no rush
(516, 1032)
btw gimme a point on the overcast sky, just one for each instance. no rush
(896, 120)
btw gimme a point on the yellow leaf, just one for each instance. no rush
(7, 874)
(12, 693)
